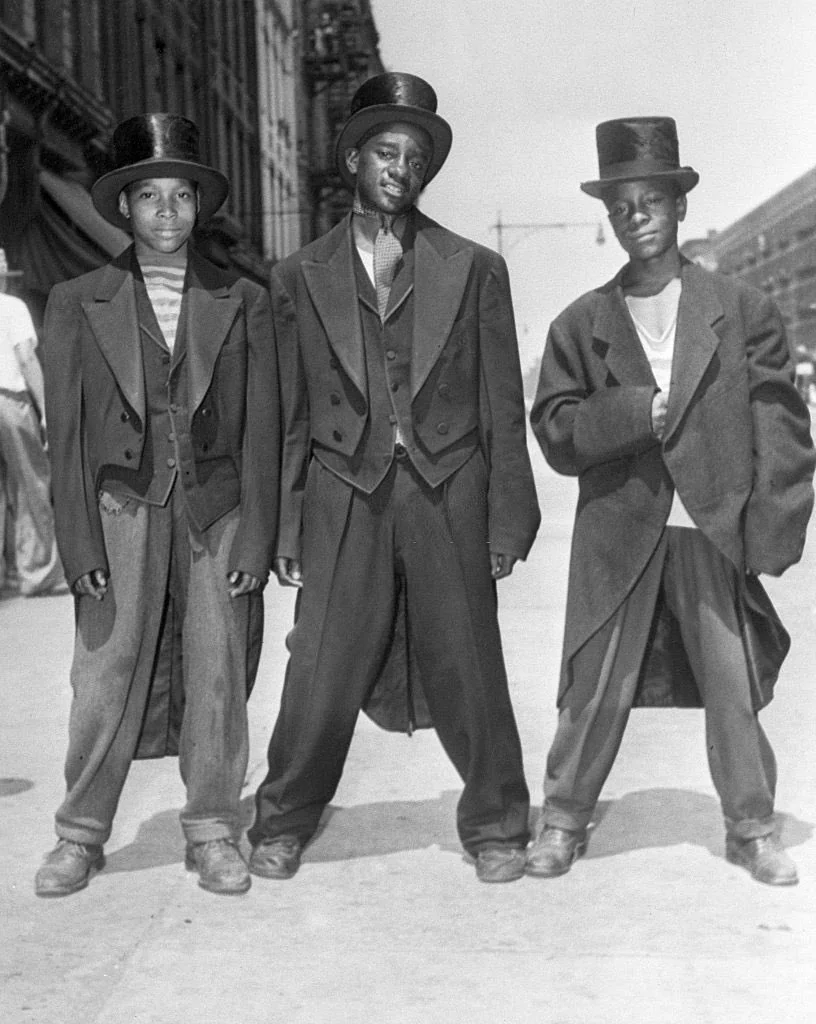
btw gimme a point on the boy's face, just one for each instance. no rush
(391, 168)
(162, 212)
(645, 216)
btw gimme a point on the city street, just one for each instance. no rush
(386, 923)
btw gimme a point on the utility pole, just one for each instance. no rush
(500, 228)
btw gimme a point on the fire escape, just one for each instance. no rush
(341, 54)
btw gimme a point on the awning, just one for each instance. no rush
(77, 205)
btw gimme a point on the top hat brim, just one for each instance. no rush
(213, 186)
(380, 115)
(686, 178)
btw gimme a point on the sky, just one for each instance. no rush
(524, 82)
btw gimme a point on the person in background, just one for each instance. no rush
(669, 392)
(161, 389)
(33, 564)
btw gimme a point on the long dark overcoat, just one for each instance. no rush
(227, 397)
(737, 448)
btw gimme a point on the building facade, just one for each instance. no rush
(340, 51)
(773, 248)
(267, 81)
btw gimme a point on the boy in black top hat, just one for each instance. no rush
(161, 389)
(406, 487)
(670, 393)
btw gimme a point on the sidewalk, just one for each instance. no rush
(385, 923)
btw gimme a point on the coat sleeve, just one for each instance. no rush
(580, 426)
(295, 429)
(513, 513)
(260, 462)
(781, 498)
(76, 509)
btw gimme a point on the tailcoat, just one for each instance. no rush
(736, 448)
(225, 428)
(465, 394)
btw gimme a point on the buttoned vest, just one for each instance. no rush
(151, 481)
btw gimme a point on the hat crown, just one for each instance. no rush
(394, 88)
(649, 141)
(155, 137)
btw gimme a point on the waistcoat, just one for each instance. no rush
(164, 373)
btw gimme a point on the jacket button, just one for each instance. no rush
(123, 416)
(391, 354)
(334, 398)
(205, 412)
(442, 428)
(165, 359)
(174, 407)
(444, 390)
(128, 454)
(205, 447)
(171, 463)
(171, 437)
(394, 385)
(337, 435)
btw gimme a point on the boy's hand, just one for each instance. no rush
(660, 404)
(288, 572)
(501, 565)
(92, 584)
(242, 583)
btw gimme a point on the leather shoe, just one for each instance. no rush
(220, 866)
(500, 864)
(276, 858)
(554, 851)
(67, 868)
(764, 857)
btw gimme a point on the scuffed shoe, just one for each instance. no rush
(764, 857)
(500, 864)
(554, 851)
(220, 866)
(276, 858)
(67, 868)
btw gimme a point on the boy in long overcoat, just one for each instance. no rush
(669, 393)
(161, 387)
(406, 478)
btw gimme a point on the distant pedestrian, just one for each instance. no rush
(25, 474)
(669, 392)
(161, 387)
(406, 481)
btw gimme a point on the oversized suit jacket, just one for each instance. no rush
(95, 400)
(464, 370)
(736, 446)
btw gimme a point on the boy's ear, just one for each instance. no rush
(124, 206)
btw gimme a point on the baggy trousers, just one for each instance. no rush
(355, 548)
(153, 553)
(700, 588)
(25, 484)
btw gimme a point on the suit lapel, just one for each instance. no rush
(210, 312)
(439, 284)
(621, 348)
(332, 285)
(114, 321)
(695, 341)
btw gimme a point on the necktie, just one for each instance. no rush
(387, 254)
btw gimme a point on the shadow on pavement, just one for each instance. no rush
(653, 818)
(367, 830)
(641, 820)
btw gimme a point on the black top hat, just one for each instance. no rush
(386, 99)
(632, 148)
(157, 146)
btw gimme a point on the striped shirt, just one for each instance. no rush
(165, 286)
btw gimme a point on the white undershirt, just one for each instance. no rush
(655, 320)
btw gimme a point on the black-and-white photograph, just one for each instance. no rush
(407, 589)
